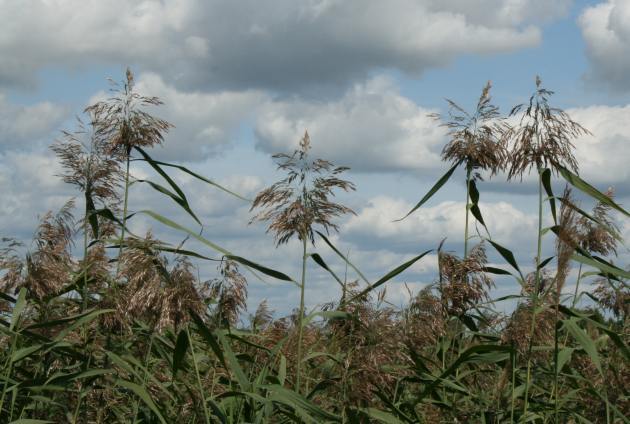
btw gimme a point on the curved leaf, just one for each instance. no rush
(433, 190)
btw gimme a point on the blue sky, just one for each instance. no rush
(241, 82)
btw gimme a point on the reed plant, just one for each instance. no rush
(129, 331)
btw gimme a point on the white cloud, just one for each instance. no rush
(603, 157)
(30, 188)
(23, 126)
(428, 225)
(285, 44)
(606, 31)
(371, 128)
(204, 122)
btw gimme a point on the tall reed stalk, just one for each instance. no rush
(295, 204)
(542, 139)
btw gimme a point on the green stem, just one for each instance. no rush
(144, 377)
(468, 172)
(201, 391)
(85, 263)
(577, 286)
(513, 363)
(124, 218)
(556, 391)
(301, 316)
(535, 292)
(8, 366)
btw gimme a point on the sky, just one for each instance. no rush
(242, 80)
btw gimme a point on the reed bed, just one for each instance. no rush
(128, 331)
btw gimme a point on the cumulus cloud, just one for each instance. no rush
(606, 31)
(286, 44)
(603, 156)
(428, 225)
(371, 128)
(204, 122)
(23, 126)
(30, 188)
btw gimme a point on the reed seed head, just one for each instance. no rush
(124, 123)
(476, 139)
(300, 201)
(543, 137)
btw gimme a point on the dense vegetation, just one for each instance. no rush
(101, 325)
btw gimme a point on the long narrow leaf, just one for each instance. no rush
(143, 395)
(181, 201)
(189, 172)
(391, 274)
(346, 260)
(585, 187)
(433, 190)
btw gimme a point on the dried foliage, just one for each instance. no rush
(155, 293)
(464, 282)
(600, 236)
(49, 266)
(568, 239)
(300, 201)
(88, 166)
(230, 294)
(614, 297)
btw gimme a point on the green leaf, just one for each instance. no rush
(181, 346)
(479, 353)
(474, 207)
(546, 182)
(585, 187)
(602, 265)
(614, 336)
(319, 261)
(585, 341)
(267, 271)
(55, 322)
(84, 319)
(89, 213)
(109, 215)
(476, 212)
(233, 364)
(143, 395)
(507, 255)
(160, 171)
(189, 172)
(343, 257)
(203, 240)
(282, 369)
(301, 405)
(25, 351)
(564, 356)
(496, 271)
(433, 190)
(30, 421)
(18, 308)
(177, 251)
(391, 274)
(179, 227)
(612, 231)
(179, 200)
(208, 337)
(545, 262)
